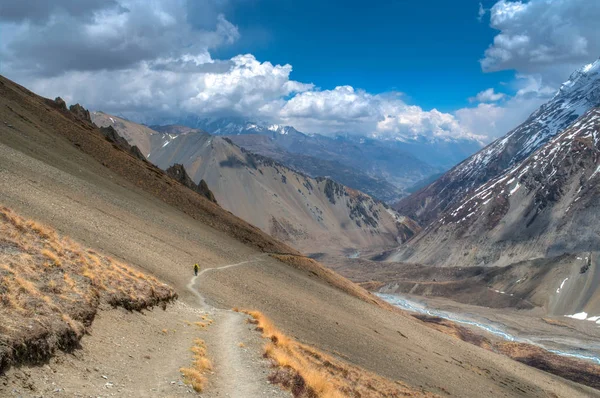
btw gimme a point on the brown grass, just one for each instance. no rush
(50, 289)
(195, 376)
(309, 373)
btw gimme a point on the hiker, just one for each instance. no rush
(196, 268)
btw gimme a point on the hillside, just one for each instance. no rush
(62, 171)
(576, 96)
(315, 166)
(297, 209)
(543, 207)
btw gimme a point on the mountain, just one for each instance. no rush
(321, 165)
(381, 168)
(576, 96)
(544, 206)
(311, 214)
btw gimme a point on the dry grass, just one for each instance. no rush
(195, 376)
(50, 289)
(306, 372)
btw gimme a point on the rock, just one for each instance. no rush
(60, 103)
(178, 173)
(81, 113)
(111, 135)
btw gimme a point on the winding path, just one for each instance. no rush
(238, 372)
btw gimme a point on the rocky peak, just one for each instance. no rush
(178, 173)
(80, 112)
(60, 103)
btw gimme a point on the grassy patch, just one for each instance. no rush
(195, 375)
(51, 287)
(309, 373)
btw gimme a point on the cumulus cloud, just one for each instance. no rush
(188, 84)
(488, 95)
(543, 41)
(552, 37)
(50, 37)
(345, 109)
(493, 120)
(152, 60)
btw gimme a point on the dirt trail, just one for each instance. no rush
(234, 349)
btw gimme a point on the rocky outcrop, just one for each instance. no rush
(81, 113)
(178, 173)
(60, 103)
(111, 135)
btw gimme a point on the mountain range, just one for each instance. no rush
(96, 189)
(385, 169)
(312, 214)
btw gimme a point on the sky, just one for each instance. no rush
(391, 69)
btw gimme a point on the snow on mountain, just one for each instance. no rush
(542, 207)
(576, 96)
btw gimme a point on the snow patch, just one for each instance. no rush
(561, 285)
(580, 315)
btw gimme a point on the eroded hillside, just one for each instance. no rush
(313, 215)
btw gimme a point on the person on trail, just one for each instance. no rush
(196, 268)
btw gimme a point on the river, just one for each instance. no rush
(492, 328)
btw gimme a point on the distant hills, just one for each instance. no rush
(313, 214)
(382, 168)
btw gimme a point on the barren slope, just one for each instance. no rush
(124, 209)
(313, 215)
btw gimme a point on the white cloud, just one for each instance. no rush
(51, 37)
(481, 13)
(549, 37)
(152, 60)
(544, 41)
(488, 95)
(347, 110)
(493, 120)
(165, 88)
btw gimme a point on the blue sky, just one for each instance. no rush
(390, 69)
(427, 50)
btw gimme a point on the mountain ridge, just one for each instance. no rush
(283, 202)
(578, 94)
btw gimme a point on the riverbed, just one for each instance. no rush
(518, 327)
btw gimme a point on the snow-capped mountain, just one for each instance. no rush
(231, 126)
(576, 96)
(539, 219)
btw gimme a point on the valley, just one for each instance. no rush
(476, 266)
(60, 170)
(494, 290)
(308, 213)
